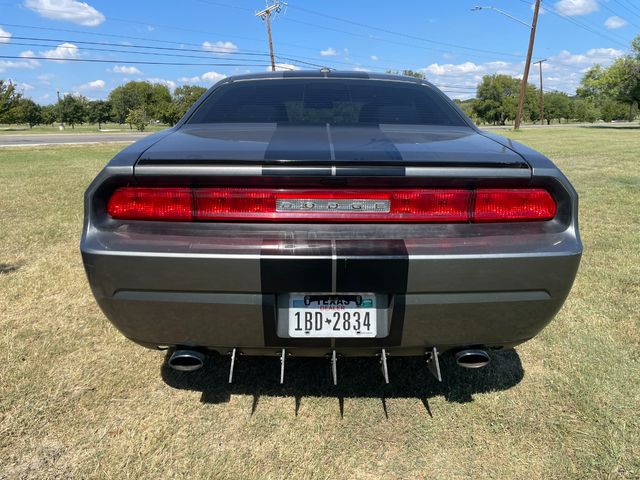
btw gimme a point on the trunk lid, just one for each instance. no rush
(406, 145)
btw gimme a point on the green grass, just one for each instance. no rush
(77, 400)
(86, 128)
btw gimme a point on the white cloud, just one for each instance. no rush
(220, 47)
(329, 52)
(95, 85)
(590, 57)
(212, 77)
(207, 77)
(449, 68)
(27, 63)
(283, 67)
(375, 58)
(64, 51)
(573, 8)
(68, 10)
(5, 37)
(360, 69)
(613, 23)
(562, 71)
(169, 83)
(24, 86)
(127, 70)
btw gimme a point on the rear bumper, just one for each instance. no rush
(215, 287)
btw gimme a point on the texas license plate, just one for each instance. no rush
(325, 316)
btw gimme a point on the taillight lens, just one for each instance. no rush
(344, 205)
(499, 205)
(133, 203)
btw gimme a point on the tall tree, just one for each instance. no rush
(99, 111)
(73, 109)
(9, 98)
(557, 105)
(185, 96)
(29, 112)
(152, 98)
(496, 98)
(50, 114)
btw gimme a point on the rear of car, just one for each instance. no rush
(329, 214)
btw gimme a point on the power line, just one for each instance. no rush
(580, 25)
(627, 8)
(134, 62)
(147, 47)
(400, 34)
(617, 14)
(368, 37)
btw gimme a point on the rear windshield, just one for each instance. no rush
(322, 101)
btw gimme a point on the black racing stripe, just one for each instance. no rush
(286, 268)
(363, 143)
(310, 143)
(378, 266)
(303, 171)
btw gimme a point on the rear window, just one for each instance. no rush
(322, 101)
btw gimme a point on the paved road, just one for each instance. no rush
(37, 139)
(564, 125)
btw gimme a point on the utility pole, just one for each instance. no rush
(539, 62)
(523, 84)
(265, 15)
(61, 127)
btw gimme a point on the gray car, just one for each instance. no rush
(329, 214)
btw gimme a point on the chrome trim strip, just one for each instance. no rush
(256, 170)
(199, 170)
(470, 172)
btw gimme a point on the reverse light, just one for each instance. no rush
(342, 205)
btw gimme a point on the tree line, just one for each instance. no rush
(134, 103)
(611, 93)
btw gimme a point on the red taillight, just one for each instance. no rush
(133, 203)
(499, 205)
(344, 205)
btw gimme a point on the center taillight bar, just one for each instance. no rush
(342, 205)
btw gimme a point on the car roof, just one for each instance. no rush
(324, 73)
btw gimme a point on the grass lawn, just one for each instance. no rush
(77, 400)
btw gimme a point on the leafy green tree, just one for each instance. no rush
(73, 109)
(50, 114)
(133, 95)
(585, 110)
(408, 73)
(467, 107)
(170, 113)
(138, 118)
(185, 96)
(9, 98)
(557, 105)
(29, 112)
(610, 109)
(620, 82)
(496, 99)
(99, 111)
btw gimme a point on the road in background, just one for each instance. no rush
(68, 139)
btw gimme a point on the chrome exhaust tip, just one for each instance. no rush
(186, 360)
(473, 358)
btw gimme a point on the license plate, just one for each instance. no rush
(326, 316)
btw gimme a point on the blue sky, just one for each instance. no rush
(451, 44)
